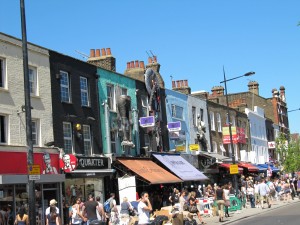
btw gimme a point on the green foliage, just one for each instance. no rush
(289, 153)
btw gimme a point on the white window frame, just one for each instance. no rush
(219, 122)
(177, 112)
(212, 121)
(3, 129)
(144, 101)
(68, 138)
(35, 125)
(3, 73)
(65, 88)
(113, 141)
(87, 139)
(111, 97)
(194, 116)
(214, 147)
(84, 92)
(124, 91)
(232, 121)
(33, 81)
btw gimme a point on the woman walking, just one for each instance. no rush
(220, 201)
(22, 218)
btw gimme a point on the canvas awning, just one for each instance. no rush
(227, 167)
(179, 166)
(248, 166)
(150, 171)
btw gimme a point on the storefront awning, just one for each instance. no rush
(273, 168)
(248, 166)
(261, 169)
(150, 171)
(227, 167)
(179, 166)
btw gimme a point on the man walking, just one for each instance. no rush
(144, 209)
(90, 207)
(264, 193)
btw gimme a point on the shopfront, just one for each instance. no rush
(87, 178)
(14, 179)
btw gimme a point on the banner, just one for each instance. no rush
(127, 188)
(238, 135)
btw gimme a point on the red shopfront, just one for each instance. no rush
(14, 179)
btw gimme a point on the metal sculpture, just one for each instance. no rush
(124, 109)
(201, 130)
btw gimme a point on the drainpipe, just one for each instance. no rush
(107, 128)
(136, 130)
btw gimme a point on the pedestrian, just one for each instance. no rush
(144, 209)
(126, 208)
(76, 213)
(52, 217)
(256, 194)
(114, 215)
(182, 202)
(250, 193)
(264, 193)
(220, 199)
(101, 214)
(174, 197)
(227, 199)
(22, 218)
(90, 207)
(194, 210)
(52, 202)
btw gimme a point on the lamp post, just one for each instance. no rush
(235, 183)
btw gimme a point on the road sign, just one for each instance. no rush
(34, 177)
(34, 169)
(194, 147)
(234, 169)
(174, 126)
(147, 121)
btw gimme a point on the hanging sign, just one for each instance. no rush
(147, 121)
(174, 126)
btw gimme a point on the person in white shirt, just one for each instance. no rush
(144, 209)
(52, 202)
(256, 194)
(250, 193)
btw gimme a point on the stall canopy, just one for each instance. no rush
(261, 169)
(150, 171)
(179, 166)
(273, 168)
(227, 167)
(251, 168)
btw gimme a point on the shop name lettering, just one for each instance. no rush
(90, 162)
(148, 170)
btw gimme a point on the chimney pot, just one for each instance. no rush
(178, 83)
(92, 53)
(137, 64)
(142, 64)
(132, 64)
(173, 84)
(108, 51)
(103, 52)
(149, 60)
(154, 58)
(128, 65)
(97, 52)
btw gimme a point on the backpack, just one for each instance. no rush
(106, 205)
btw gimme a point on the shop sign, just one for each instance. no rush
(34, 177)
(68, 162)
(92, 163)
(271, 145)
(234, 169)
(174, 126)
(194, 147)
(180, 148)
(147, 121)
(34, 169)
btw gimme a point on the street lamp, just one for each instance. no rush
(293, 110)
(235, 183)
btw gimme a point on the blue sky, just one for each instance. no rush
(192, 39)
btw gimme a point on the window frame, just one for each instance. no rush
(145, 110)
(212, 121)
(3, 129)
(65, 86)
(69, 138)
(84, 93)
(175, 112)
(111, 98)
(219, 122)
(33, 84)
(113, 141)
(3, 73)
(87, 138)
(194, 116)
(35, 125)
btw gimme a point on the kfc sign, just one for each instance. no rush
(271, 145)
(68, 162)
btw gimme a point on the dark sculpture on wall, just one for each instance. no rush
(153, 90)
(201, 130)
(124, 113)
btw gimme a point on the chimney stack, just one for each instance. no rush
(92, 53)
(104, 60)
(253, 87)
(181, 86)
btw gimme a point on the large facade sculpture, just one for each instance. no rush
(201, 130)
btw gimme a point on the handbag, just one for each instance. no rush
(193, 209)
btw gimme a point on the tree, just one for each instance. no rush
(289, 153)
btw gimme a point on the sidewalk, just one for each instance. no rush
(246, 212)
